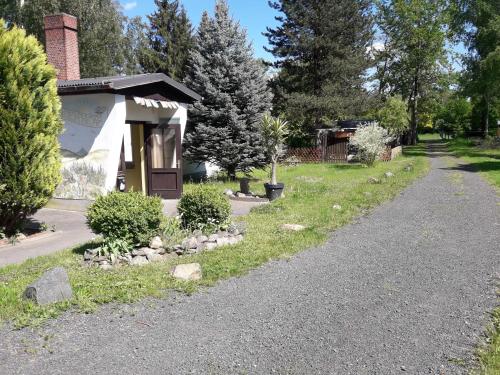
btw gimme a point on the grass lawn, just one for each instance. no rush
(486, 162)
(311, 191)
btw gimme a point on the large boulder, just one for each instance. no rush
(53, 286)
(187, 272)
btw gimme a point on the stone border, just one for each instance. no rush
(194, 244)
(242, 197)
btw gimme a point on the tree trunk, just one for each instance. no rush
(231, 173)
(487, 118)
(273, 173)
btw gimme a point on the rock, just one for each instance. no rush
(408, 168)
(106, 267)
(222, 241)
(241, 195)
(293, 227)
(179, 252)
(337, 207)
(139, 261)
(52, 286)
(232, 241)
(388, 174)
(187, 272)
(351, 158)
(155, 243)
(20, 237)
(228, 192)
(373, 180)
(161, 251)
(207, 246)
(239, 237)
(143, 251)
(113, 258)
(169, 256)
(213, 238)
(190, 243)
(155, 258)
(88, 255)
(202, 239)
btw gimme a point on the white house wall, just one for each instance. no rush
(90, 144)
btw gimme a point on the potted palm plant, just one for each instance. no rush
(274, 132)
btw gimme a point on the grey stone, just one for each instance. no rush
(202, 239)
(139, 261)
(155, 242)
(161, 251)
(388, 174)
(228, 192)
(222, 241)
(293, 227)
(373, 180)
(143, 251)
(106, 267)
(187, 272)
(213, 237)
(241, 195)
(155, 258)
(207, 246)
(88, 255)
(53, 286)
(190, 243)
(337, 207)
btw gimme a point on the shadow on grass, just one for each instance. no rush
(483, 166)
(80, 249)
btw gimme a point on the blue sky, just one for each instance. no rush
(253, 15)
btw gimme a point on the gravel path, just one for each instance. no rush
(404, 290)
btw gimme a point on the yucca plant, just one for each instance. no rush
(274, 132)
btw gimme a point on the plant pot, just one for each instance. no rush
(274, 191)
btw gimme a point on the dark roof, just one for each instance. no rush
(136, 85)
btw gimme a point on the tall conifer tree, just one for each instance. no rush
(170, 40)
(224, 125)
(321, 50)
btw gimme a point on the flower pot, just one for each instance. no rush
(274, 191)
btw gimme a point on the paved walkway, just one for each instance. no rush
(72, 230)
(403, 290)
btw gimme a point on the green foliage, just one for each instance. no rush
(274, 132)
(454, 117)
(170, 40)
(321, 55)
(205, 208)
(393, 116)
(115, 246)
(223, 126)
(414, 54)
(132, 217)
(29, 128)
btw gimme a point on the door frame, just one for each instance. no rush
(170, 194)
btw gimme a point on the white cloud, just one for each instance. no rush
(130, 5)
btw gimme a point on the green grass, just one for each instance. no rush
(487, 163)
(311, 191)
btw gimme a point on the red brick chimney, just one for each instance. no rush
(61, 43)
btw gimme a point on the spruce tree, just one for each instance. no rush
(321, 50)
(170, 40)
(224, 125)
(29, 128)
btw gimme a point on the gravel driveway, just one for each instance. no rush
(404, 290)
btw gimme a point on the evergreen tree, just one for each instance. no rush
(321, 49)
(100, 31)
(224, 125)
(137, 44)
(170, 40)
(29, 128)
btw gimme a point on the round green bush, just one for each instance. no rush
(205, 208)
(133, 216)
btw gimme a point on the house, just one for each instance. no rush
(122, 132)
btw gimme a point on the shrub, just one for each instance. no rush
(132, 217)
(29, 127)
(205, 208)
(370, 141)
(393, 116)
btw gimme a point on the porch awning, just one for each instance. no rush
(151, 103)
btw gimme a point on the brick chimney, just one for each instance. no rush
(61, 43)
